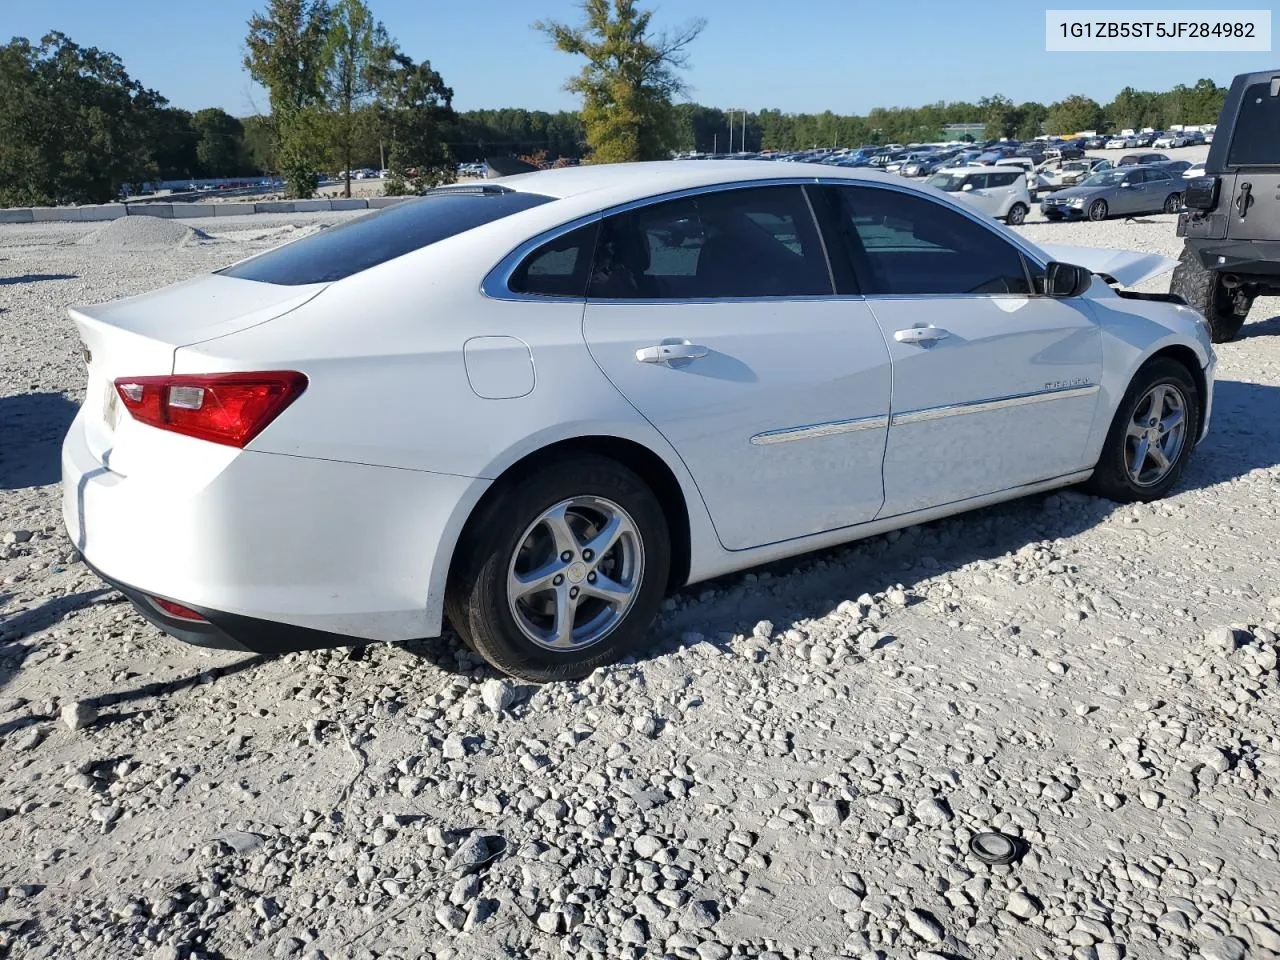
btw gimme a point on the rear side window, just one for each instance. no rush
(755, 242)
(911, 246)
(1005, 179)
(560, 267)
(1254, 142)
(376, 238)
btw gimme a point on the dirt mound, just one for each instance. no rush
(144, 233)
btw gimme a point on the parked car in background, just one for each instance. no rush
(1133, 159)
(1175, 167)
(1095, 143)
(1122, 191)
(1000, 193)
(1056, 174)
(1195, 170)
(1065, 150)
(252, 467)
(1171, 140)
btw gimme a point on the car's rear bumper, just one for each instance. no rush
(1252, 260)
(277, 552)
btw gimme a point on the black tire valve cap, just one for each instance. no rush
(995, 848)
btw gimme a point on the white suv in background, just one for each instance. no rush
(998, 191)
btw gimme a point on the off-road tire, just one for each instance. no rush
(476, 599)
(1111, 477)
(1203, 291)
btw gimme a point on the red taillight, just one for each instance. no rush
(178, 610)
(230, 408)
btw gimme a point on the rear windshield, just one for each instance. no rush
(376, 238)
(1254, 143)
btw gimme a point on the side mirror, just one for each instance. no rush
(1063, 280)
(966, 188)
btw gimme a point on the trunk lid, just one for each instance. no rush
(138, 336)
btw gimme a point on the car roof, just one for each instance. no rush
(613, 183)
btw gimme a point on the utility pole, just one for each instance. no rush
(731, 131)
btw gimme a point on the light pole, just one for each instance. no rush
(742, 146)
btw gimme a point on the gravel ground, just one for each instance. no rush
(793, 771)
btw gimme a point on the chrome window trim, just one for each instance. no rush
(985, 406)
(814, 430)
(496, 283)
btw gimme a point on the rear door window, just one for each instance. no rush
(376, 238)
(755, 242)
(1256, 140)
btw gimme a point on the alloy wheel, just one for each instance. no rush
(1156, 435)
(1098, 210)
(575, 573)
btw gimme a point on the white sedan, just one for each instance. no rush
(538, 404)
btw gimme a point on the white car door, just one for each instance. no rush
(714, 315)
(994, 387)
(982, 196)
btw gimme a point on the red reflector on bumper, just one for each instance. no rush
(178, 610)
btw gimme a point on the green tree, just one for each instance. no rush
(286, 54)
(355, 49)
(415, 106)
(629, 79)
(1001, 116)
(1072, 115)
(74, 127)
(173, 139)
(219, 143)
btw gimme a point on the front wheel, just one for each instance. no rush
(1151, 436)
(1098, 210)
(562, 570)
(1173, 203)
(1017, 214)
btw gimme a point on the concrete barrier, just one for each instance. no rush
(164, 210)
(188, 211)
(101, 211)
(233, 209)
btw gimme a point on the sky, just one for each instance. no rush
(798, 56)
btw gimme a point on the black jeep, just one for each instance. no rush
(1231, 216)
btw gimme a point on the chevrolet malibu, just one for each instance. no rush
(537, 404)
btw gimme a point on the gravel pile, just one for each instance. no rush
(795, 770)
(144, 233)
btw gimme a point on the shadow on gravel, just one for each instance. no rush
(32, 426)
(1262, 328)
(36, 278)
(1242, 434)
(44, 616)
(103, 702)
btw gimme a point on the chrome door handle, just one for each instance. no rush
(666, 352)
(921, 335)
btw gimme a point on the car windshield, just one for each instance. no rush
(1108, 178)
(950, 182)
(378, 237)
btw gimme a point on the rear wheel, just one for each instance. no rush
(1017, 214)
(562, 571)
(1098, 210)
(1204, 292)
(1172, 203)
(1151, 436)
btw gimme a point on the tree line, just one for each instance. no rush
(76, 128)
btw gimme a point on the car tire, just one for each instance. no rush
(1098, 210)
(518, 532)
(1129, 469)
(1173, 203)
(1017, 214)
(1202, 289)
